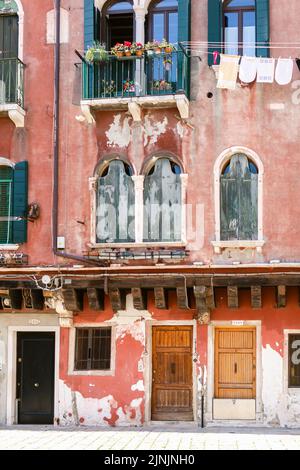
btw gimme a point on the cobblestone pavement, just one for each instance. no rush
(150, 438)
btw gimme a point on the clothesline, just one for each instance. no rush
(273, 45)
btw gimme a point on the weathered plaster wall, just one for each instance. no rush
(121, 399)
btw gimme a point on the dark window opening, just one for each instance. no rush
(294, 360)
(93, 349)
(118, 23)
(128, 169)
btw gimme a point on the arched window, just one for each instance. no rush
(163, 202)
(239, 23)
(163, 20)
(117, 24)
(115, 212)
(239, 199)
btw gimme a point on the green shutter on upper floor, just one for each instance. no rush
(89, 23)
(20, 202)
(6, 184)
(214, 28)
(184, 35)
(263, 27)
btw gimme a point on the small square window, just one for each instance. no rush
(294, 360)
(93, 349)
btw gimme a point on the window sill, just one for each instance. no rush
(165, 245)
(9, 247)
(92, 373)
(219, 246)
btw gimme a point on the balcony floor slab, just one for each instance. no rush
(14, 112)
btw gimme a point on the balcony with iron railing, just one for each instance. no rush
(134, 83)
(12, 90)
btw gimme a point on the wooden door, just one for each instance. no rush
(235, 363)
(35, 378)
(172, 381)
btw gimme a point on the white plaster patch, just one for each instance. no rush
(272, 390)
(180, 130)
(152, 130)
(119, 133)
(94, 411)
(64, 26)
(139, 386)
(136, 330)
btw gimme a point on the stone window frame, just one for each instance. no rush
(221, 161)
(139, 203)
(72, 346)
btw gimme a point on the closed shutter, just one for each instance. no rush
(115, 220)
(8, 36)
(214, 28)
(20, 202)
(89, 23)
(263, 27)
(162, 204)
(239, 201)
(184, 35)
(6, 182)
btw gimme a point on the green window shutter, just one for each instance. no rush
(20, 202)
(263, 27)
(89, 23)
(6, 184)
(239, 201)
(115, 218)
(184, 34)
(184, 20)
(162, 204)
(215, 22)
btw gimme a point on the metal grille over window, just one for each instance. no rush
(93, 349)
(294, 360)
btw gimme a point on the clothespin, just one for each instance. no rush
(215, 54)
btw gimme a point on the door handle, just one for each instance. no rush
(235, 368)
(173, 367)
(36, 385)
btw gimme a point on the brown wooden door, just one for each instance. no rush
(235, 363)
(172, 382)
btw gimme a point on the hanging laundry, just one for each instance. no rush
(284, 71)
(298, 63)
(228, 71)
(215, 55)
(248, 69)
(265, 70)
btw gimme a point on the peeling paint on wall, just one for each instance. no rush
(119, 133)
(153, 129)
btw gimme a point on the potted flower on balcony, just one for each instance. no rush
(96, 53)
(156, 47)
(127, 48)
(118, 49)
(166, 46)
(129, 87)
(137, 48)
(162, 86)
(149, 47)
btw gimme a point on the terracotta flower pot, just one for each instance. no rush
(139, 52)
(157, 50)
(168, 50)
(120, 54)
(128, 53)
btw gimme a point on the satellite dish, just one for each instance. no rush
(46, 279)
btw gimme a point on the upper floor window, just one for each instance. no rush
(9, 36)
(239, 27)
(163, 202)
(115, 207)
(294, 360)
(239, 24)
(117, 23)
(239, 199)
(163, 21)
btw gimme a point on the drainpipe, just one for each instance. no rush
(57, 252)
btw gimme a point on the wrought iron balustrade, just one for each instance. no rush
(125, 77)
(11, 82)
